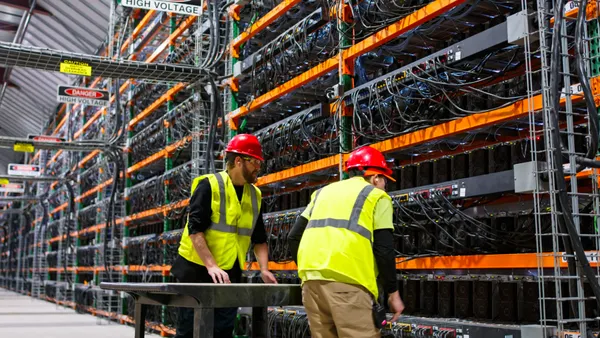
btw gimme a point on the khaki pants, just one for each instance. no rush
(338, 310)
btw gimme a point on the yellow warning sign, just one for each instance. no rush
(3, 181)
(76, 67)
(23, 147)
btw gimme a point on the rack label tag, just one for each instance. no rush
(576, 89)
(75, 67)
(592, 257)
(3, 181)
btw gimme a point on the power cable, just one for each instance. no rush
(572, 243)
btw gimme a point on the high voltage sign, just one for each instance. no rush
(85, 96)
(186, 7)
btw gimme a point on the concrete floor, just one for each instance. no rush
(26, 317)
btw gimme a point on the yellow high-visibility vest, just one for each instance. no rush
(337, 242)
(228, 237)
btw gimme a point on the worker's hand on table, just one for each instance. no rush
(396, 305)
(268, 277)
(218, 276)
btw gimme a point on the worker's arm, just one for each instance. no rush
(217, 274)
(385, 257)
(198, 222)
(262, 255)
(295, 236)
(261, 249)
(200, 209)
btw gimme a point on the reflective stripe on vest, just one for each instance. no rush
(222, 224)
(350, 224)
(314, 202)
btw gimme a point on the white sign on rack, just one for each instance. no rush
(32, 170)
(84, 96)
(12, 187)
(185, 7)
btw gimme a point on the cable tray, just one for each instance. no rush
(15, 55)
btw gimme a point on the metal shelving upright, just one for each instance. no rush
(566, 294)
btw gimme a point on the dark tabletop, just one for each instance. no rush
(218, 295)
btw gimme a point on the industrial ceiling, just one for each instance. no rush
(30, 98)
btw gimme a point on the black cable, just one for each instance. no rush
(573, 243)
(116, 159)
(592, 144)
(4, 237)
(214, 110)
(70, 211)
(42, 230)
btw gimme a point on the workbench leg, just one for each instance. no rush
(259, 322)
(204, 322)
(140, 319)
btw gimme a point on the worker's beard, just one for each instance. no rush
(249, 176)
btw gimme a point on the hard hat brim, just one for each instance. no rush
(377, 171)
(246, 154)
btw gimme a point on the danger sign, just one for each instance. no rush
(84, 96)
(46, 138)
(32, 170)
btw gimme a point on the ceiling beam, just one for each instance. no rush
(9, 27)
(24, 5)
(10, 84)
(10, 18)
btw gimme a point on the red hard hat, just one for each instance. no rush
(245, 144)
(371, 160)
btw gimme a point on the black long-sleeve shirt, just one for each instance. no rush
(199, 221)
(383, 250)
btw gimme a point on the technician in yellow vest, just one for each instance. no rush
(343, 237)
(225, 218)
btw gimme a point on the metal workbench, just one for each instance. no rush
(204, 298)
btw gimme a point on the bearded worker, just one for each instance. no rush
(225, 217)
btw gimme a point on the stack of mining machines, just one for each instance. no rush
(486, 110)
